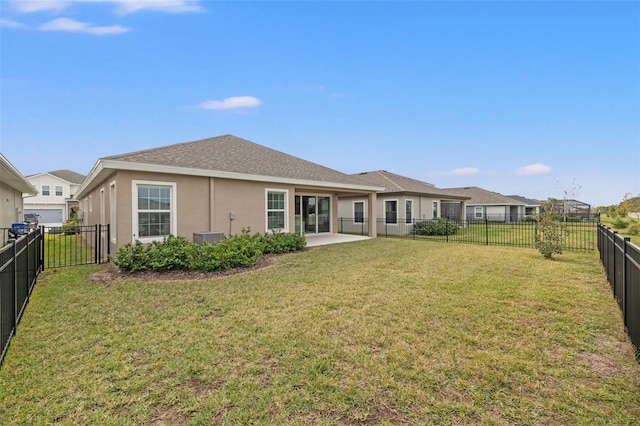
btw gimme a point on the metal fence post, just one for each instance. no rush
(486, 230)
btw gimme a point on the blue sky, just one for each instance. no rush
(528, 98)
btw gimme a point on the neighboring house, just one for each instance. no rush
(12, 187)
(488, 205)
(402, 201)
(55, 204)
(221, 184)
(531, 206)
(575, 208)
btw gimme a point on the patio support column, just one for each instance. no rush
(371, 214)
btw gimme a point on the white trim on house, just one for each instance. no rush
(285, 210)
(173, 209)
(385, 211)
(364, 210)
(113, 212)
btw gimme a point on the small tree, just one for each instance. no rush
(550, 233)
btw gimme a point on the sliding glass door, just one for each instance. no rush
(313, 214)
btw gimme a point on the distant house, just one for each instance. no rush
(12, 187)
(531, 206)
(221, 184)
(55, 203)
(488, 205)
(402, 201)
(575, 209)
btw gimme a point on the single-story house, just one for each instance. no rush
(489, 205)
(531, 206)
(402, 201)
(55, 203)
(221, 184)
(12, 187)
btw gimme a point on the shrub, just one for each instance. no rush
(234, 252)
(440, 226)
(71, 227)
(172, 253)
(550, 233)
(132, 258)
(619, 223)
(279, 242)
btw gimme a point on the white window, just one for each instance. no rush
(112, 211)
(435, 209)
(58, 191)
(154, 210)
(277, 210)
(408, 210)
(391, 211)
(478, 212)
(46, 190)
(358, 211)
(102, 206)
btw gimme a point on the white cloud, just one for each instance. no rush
(7, 23)
(122, 6)
(71, 25)
(232, 103)
(31, 6)
(534, 169)
(464, 171)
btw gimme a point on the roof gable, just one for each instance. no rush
(231, 157)
(481, 196)
(394, 183)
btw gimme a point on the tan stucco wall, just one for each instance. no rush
(12, 207)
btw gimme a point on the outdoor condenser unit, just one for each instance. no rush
(210, 237)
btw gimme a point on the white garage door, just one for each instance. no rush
(53, 216)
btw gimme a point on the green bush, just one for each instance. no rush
(172, 253)
(619, 223)
(132, 257)
(234, 252)
(71, 227)
(440, 226)
(279, 242)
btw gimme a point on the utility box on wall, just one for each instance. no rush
(211, 237)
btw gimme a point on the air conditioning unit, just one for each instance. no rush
(210, 237)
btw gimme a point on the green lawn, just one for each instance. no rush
(385, 331)
(628, 231)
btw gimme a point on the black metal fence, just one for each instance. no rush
(579, 235)
(24, 257)
(621, 261)
(75, 245)
(20, 264)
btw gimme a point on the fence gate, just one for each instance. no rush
(75, 245)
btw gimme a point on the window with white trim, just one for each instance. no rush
(154, 210)
(46, 190)
(408, 210)
(277, 209)
(358, 211)
(435, 209)
(58, 191)
(478, 212)
(112, 211)
(391, 211)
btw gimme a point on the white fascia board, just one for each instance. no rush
(93, 174)
(142, 167)
(16, 179)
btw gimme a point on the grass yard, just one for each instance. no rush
(385, 331)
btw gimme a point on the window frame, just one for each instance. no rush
(355, 217)
(173, 209)
(284, 210)
(61, 194)
(46, 190)
(477, 210)
(408, 212)
(113, 212)
(434, 209)
(386, 218)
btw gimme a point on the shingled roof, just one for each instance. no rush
(397, 184)
(227, 156)
(69, 176)
(481, 196)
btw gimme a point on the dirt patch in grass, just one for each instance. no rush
(606, 363)
(111, 272)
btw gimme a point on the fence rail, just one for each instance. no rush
(580, 235)
(20, 264)
(621, 261)
(75, 245)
